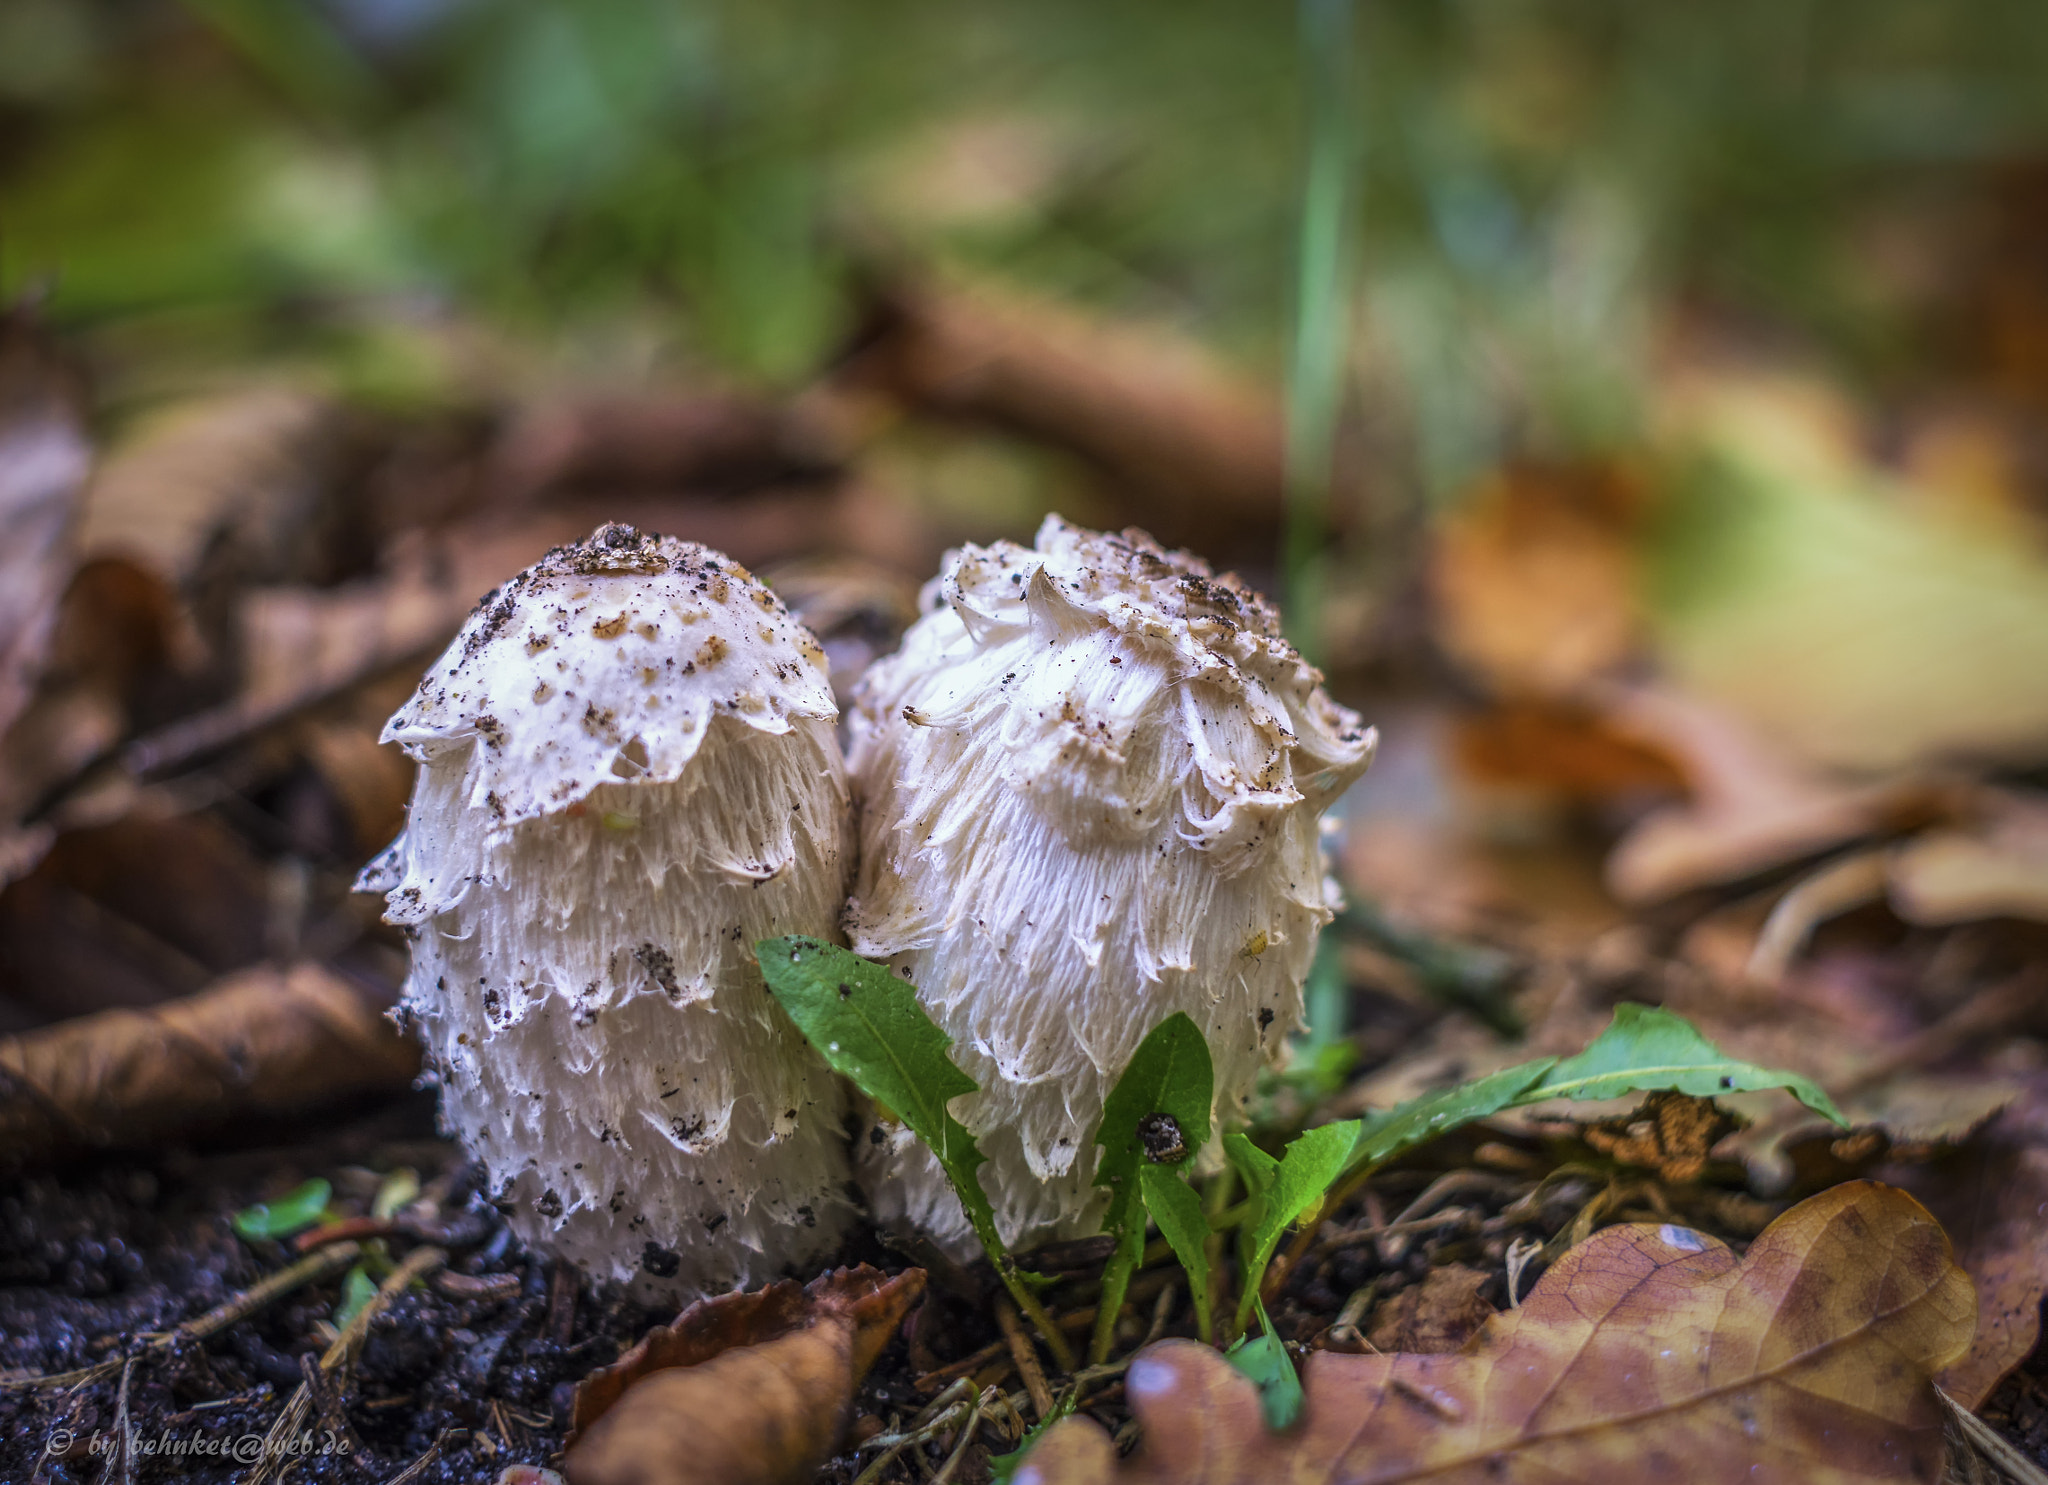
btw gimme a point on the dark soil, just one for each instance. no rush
(94, 1258)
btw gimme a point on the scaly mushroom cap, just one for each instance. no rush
(1089, 784)
(628, 776)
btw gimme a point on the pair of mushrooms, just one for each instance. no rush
(1085, 794)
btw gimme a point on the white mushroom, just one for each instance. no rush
(628, 776)
(1089, 784)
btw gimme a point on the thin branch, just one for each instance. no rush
(419, 1467)
(1026, 1358)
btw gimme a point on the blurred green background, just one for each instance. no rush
(1540, 191)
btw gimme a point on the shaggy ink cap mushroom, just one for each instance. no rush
(1089, 784)
(629, 775)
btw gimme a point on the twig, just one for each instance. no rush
(1162, 1310)
(476, 1287)
(1025, 1357)
(993, 1351)
(425, 1462)
(192, 738)
(328, 1402)
(260, 1294)
(256, 1297)
(893, 1444)
(2019, 1469)
(1520, 1251)
(1358, 1236)
(564, 1284)
(1345, 1330)
(1078, 1383)
(1283, 1267)
(460, 1231)
(1992, 1009)
(340, 1356)
(960, 1449)
(1055, 1342)
(123, 1456)
(1826, 892)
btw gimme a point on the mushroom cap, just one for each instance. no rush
(604, 663)
(1089, 782)
(1087, 646)
(629, 774)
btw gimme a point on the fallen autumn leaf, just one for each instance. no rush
(1648, 1352)
(742, 1389)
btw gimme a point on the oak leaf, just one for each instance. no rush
(1992, 1196)
(742, 1389)
(1647, 1352)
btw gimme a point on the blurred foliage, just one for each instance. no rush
(710, 180)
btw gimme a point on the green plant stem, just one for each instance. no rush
(1116, 1281)
(1223, 1217)
(1315, 380)
(1027, 1303)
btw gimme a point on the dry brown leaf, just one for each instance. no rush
(118, 633)
(1440, 1314)
(743, 1389)
(370, 781)
(1996, 867)
(670, 440)
(1916, 1116)
(243, 465)
(1994, 1198)
(1535, 578)
(265, 1040)
(1753, 809)
(1560, 749)
(1672, 1134)
(145, 908)
(1645, 1353)
(1196, 452)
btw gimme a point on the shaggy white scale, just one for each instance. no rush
(629, 775)
(1089, 784)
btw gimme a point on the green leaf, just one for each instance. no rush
(1164, 1095)
(288, 1214)
(357, 1290)
(1170, 1075)
(1647, 1049)
(1299, 1182)
(1264, 1359)
(1177, 1208)
(868, 1025)
(1423, 1118)
(1255, 1165)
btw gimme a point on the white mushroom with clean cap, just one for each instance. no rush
(629, 775)
(1089, 785)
